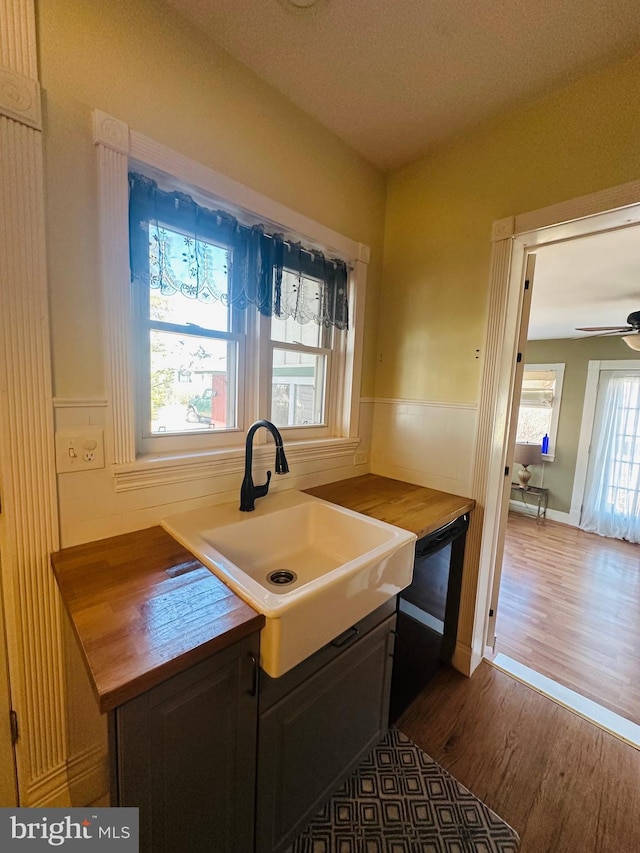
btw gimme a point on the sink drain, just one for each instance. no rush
(282, 577)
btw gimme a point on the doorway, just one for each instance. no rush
(568, 599)
(595, 215)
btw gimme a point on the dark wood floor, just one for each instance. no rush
(569, 608)
(564, 785)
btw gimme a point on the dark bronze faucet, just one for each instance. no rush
(249, 492)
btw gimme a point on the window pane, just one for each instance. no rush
(193, 383)
(298, 388)
(280, 400)
(291, 331)
(189, 267)
(533, 424)
(538, 388)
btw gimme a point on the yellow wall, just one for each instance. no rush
(140, 62)
(583, 138)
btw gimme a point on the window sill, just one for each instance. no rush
(156, 470)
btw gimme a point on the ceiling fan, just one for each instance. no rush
(630, 333)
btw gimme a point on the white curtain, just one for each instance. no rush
(612, 505)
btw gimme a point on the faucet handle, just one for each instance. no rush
(261, 491)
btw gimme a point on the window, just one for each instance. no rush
(540, 399)
(146, 449)
(230, 324)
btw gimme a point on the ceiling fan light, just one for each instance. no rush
(632, 341)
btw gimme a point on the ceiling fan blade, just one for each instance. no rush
(604, 329)
(612, 334)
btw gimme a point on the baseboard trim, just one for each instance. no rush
(78, 781)
(50, 790)
(552, 514)
(465, 660)
(88, 775)
(570, 518)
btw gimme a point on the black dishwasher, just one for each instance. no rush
(428, 612)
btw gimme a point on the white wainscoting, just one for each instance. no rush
(91, 507)
(429, 443)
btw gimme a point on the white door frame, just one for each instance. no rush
(513, 239)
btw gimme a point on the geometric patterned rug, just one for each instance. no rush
(400, 801)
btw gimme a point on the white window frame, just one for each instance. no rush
(120, 148)
(557, 402)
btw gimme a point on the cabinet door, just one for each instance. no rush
(313, 738)
(185, 754)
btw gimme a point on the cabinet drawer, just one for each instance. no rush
(272, 690)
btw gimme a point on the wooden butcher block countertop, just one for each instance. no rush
(143, 608)
(413, 508)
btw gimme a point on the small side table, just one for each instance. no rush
(540, 496)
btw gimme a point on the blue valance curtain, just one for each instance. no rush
(178, 245)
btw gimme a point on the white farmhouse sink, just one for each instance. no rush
(342, 565)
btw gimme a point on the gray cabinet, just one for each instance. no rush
(184, 753)
(317, 723)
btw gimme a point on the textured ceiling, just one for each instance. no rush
(393, 77)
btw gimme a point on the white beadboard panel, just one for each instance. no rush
(92, 511)
(366, 427)
(91, 508)
(427, 443)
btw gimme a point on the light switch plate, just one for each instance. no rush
(79, 450)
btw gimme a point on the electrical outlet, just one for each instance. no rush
(79, 450)
(360, 458)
